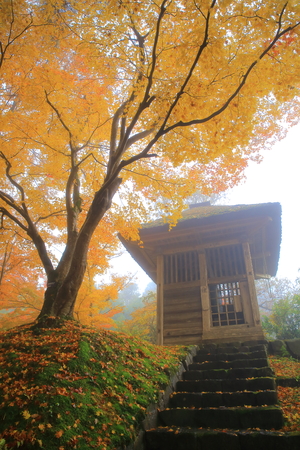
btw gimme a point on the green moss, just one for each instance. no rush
(72, 386)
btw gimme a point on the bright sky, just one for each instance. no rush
(275, 179)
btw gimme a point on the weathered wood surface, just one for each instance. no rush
(182, 315)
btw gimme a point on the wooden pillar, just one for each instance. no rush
(204, 292)
(251, 283)
(160, 300)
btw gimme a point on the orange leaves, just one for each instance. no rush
(289, 398)
(92, 90)
(59, 434)
(26, 414)
(283, 367)
(94, 305)
(143, 322)
(95, 402)
(21, 290)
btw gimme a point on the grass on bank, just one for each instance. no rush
(74, 387)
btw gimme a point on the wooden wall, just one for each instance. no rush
(185, 318)
(182, 314)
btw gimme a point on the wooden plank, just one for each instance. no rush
(251, 283)
(160, 299)
(185, 304)
(204, 293)
(176, 268)
(188, 292)
(179, 306)
(182, 319)
(180, 297)
(246, 303)
(183, 340)
(182, 308)
(175, 247)
(183, 332)
(228, 279)
(183, 285)
(234, 331)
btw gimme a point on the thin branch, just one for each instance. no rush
(97, 161)
(147, 100)
(163, 131)
(54, 214)
(58, 115)
(5, 212)
(161, 181)
(88, 142)
(238, 89)
(192, 68)
(9, 176)
(10, 40)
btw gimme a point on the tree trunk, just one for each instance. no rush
(62, 289)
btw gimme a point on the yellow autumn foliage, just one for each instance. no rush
(111, 111)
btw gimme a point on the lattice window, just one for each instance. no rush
(181, 267)
(226, 305)
(225, 261)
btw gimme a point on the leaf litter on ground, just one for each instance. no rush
(288, 397)
(78, 387)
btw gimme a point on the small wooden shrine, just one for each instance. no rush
(205, 270)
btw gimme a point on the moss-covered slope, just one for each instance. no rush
(73, 387)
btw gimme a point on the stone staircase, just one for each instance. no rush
(226, 400)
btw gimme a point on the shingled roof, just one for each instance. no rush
(206, 210)
(205, 222)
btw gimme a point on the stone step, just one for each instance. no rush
(256, 384)
(207, 356)
(225, 374)
(238, 363)
(227, 349)
(166, 438)
(217, 399)
(226, 399)
(267, 417)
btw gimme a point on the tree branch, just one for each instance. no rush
(163, 131)
(147, 99)
(137, 137)
(238, 89)
(30, 229)
(56, 213)
(5, 212)
(193, 66)
(58, 116)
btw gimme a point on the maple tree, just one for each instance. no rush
(95, 305)
(143, 319)
(21, 283)
(152, 101)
